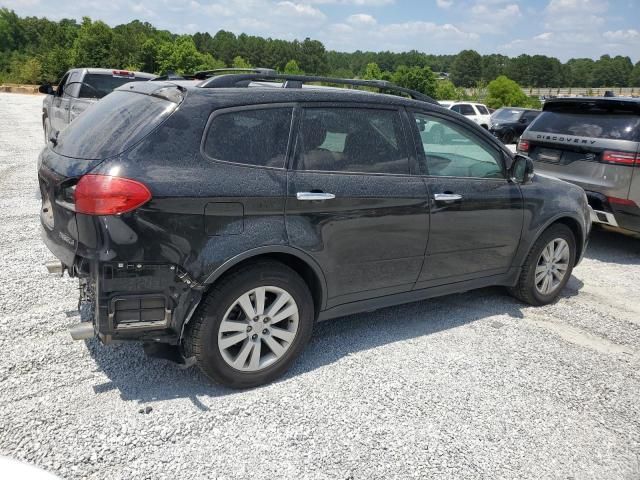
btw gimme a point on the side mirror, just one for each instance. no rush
(46, 89)
(521, 170)
(523, 120)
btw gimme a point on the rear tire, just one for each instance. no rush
(548, 267)
(233, 334)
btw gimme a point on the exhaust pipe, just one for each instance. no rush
(82, 331)
(55, 267)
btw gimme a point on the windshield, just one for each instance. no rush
(98, 86)
(614, 126)
(113, 125)
(507, 115)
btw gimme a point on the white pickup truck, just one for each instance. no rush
(79, 89)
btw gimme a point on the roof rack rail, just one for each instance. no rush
(296, 81)
(204, 74)
(171, 75)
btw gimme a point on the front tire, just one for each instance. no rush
(548, 267)
(252, 325)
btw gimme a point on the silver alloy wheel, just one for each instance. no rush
(258, 328)
(552, 266)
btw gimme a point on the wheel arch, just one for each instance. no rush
(573, 224)
(299, 261)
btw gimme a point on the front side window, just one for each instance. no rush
(450, 151)
(352, 140)
(253, 137)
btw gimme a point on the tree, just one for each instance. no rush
(420, 79)
(446, 90)
(92, 46)
(313, 57)
(634, 77)
(292, 68)
(504, 92)
(182, 56)
(466, 70)
(239, 62)
(372, 72)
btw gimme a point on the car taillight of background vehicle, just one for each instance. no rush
(523, 146)
(107, 195)
(621, 158)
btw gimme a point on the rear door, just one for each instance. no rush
(476, 213)
(592, 144)
(351, 202)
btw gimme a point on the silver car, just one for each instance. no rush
(594, 143)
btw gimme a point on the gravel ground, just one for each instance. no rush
(466, 386)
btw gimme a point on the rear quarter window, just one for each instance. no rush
(258, 137)
(113, 125)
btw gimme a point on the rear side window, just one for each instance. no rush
(482, 109)
(464, 109)
(352, 140)
(595, 125)
(253, 137)
(98, 86)
(113, 125)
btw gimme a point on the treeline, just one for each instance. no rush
(34, 50)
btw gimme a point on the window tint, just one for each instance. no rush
(507, 115)
(606, 125)
(113, 125)
(530, 116)
(97, 86)
(482, 109)
(450, 151)
(254, 137)
(464, 109)
(352, 140)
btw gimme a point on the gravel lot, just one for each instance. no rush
(466, 386)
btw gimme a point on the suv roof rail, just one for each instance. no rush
(296, 81)
(204, 74)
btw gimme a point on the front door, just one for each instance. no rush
(476, 212)
(352, 204)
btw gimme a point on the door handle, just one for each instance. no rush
(447, 197)
(311, 196)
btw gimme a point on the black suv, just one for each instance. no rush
(225, 217)
(508, 123)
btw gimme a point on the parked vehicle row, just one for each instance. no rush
(224, 218)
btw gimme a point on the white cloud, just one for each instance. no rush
(362, 19)
(299, 10)
(444, 3)
(622, 35)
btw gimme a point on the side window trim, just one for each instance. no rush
(297, 131)
(500, 154)
(242, 108)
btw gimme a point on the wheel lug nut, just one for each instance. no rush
(265, 332)
(266, 320)
(249, 328)
(255, 319)
(254, 337)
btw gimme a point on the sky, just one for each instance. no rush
(560, 28)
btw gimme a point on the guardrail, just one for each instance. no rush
(16, 88)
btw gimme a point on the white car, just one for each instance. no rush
(477, 112)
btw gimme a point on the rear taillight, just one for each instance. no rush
(620, 158)
(523, 146)
(107, 195)
(622, 201)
